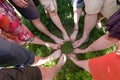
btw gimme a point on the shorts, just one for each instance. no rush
(13, 29)
(12, 54)
(106, 7)
(36, 2)
(30, 12)
(26, 73)
(106, 67)
(77, 3)
(49, 5)
(113, 25)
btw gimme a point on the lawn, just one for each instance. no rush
(69, 70)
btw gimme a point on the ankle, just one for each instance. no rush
(58, 67)
(86, 50)
(76, 29)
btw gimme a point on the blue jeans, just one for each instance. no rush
(31, 12)
(12, 54)
(77, 3)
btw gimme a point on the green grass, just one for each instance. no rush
(69, 71)
(67, 47)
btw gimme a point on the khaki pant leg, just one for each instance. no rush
(109, 8)
(49, 5)
(93, 6)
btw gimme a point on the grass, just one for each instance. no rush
(67, 47)
(69, 71)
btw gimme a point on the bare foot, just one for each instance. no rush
(43, 60)
(78, 51)
(58, 40)
(50, 73)
(61, 61)
(99, 21)
(66, 37)
(74, 35)
(55, 55)
(79, 42)
(52, 45)
(72, 57)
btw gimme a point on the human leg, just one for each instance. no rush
(25, 35)
(50, 73)
(36, 40)
(50, 7)
(77, 13)
(80, 63)
(118, 47)
(42, 60)
(99, 21)
(25, 73)
(109, 8)
(89, 23)
(32, 14)
(106, 40)
(77, 10)
(92, 8)
(13, 54)
(17, 55)
(90, 20)
(103, 42)
(56, 20)
(39, 25)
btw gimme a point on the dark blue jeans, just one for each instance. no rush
(31, 12)
(77, 3)
(12, 54)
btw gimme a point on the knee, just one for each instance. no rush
(35, 20)
(52, 13)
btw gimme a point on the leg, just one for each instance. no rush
(99, 21)
(42, 60)
(103, 42)
(90, 22)
(80, 63)
(118, 47)
(50, 7)
(31, 13)
(48, 44)
(77, 13)
(50, 73)
(39, 25)
(56, 20)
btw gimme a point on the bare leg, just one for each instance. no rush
(118, 47)
(39, 25)
(81, 63)
(100, 18)
(77, 13)
(90, 22)
(56, 20)
(48, 44)
(50, 73)
(103, 42)
(99, 24)
(42, 60)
